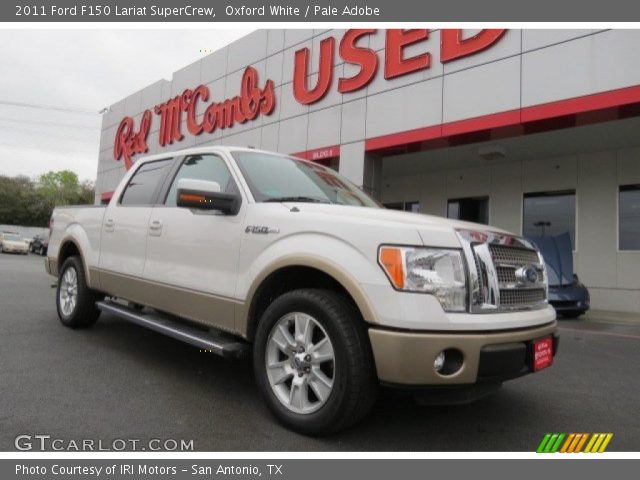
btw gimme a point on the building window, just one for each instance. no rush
(404, 206)
(629, 217)
(471, 209)
(549, 214)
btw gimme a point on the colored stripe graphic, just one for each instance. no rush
(574, 442)
(598, 442)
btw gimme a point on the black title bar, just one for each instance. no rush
(319, 11)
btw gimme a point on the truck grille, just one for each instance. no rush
(506, 272)
(518, 298)
(519, 256)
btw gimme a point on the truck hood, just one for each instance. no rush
(390, 218)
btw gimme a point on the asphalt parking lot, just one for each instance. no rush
(120, 381)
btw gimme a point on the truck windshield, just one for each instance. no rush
(276, 178)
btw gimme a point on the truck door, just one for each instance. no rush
(123, 243)
(192, 255)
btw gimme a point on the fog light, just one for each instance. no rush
(448, 362)
(438, 363)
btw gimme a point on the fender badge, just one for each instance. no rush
(262, 229)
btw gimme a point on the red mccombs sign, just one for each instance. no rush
(255, 100)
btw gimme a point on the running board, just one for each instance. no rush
(219, 343)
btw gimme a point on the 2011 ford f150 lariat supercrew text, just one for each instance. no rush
(237, 250)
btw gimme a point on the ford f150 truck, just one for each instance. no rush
(241, 251)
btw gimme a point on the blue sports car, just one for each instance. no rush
(568, 296)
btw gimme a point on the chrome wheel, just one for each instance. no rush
(300, 363)
(68, 293)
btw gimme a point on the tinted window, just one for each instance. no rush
(629, 217)
(274, 178)
(203, 167)
(550, 214)
(469, 209)
(144, 183)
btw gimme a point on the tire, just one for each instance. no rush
(572, 313)
(83, 312)
(351, 371)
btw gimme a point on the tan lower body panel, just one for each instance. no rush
(406, 358)
(51, 266)
(196, 306)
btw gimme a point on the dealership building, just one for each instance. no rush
(533, 131)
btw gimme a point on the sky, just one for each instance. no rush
(83, 71)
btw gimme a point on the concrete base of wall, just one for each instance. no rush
(615, 300)
(618, 318)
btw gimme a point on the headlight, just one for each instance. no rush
(437, 271)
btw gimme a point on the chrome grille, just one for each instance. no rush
(519, 256)
(500, 271)
(521, 297)
(507, 274)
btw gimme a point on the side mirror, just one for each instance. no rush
(205, 195)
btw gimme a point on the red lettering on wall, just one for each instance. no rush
(325, 73)
(251, 102)
(200, 93)
(453, 46)
(366, 58)
(128, 142)
(396, 64)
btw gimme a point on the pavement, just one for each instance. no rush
(120, 381)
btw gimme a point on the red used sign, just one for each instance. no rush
(453, 45)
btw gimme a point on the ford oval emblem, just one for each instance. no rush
(527, 274)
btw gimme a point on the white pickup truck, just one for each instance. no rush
(237, 250)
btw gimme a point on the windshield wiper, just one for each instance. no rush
(297, 199)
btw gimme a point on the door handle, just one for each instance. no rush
(109, 225)
(155, 228)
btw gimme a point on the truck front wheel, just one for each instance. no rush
(75, 301)
(313, 362)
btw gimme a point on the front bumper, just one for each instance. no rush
(406, 358)
(10, 249)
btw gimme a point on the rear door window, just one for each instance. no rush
(144, 184)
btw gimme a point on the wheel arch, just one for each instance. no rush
(294, 272)
(69, 247)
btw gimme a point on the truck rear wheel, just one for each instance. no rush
(75, 301)
(313, 363)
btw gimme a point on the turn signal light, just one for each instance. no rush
(189, 197)
(393, 265)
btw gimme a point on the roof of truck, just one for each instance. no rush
(207, 149)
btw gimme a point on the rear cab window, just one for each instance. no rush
(145, 183)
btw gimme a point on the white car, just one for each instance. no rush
(13, 243)
(330, 293)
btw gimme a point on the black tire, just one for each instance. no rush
(572, 313)
(85, 313)
(355, 383)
